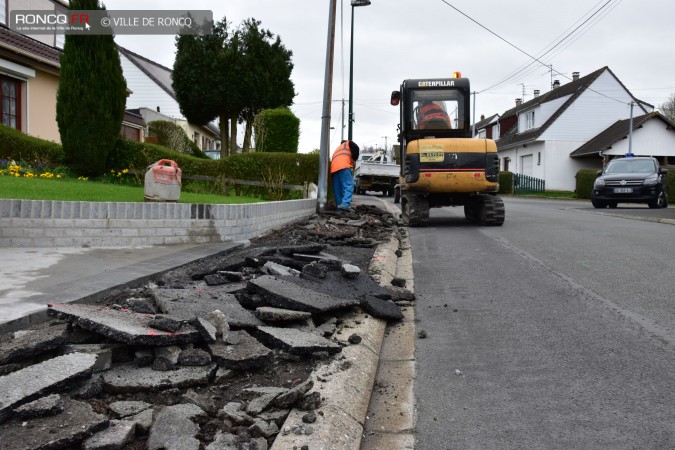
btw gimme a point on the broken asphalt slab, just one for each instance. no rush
(65, 430)
(121, 325)
(296, 342)
(285, 294)
(247, 354)
(188, 304)
(34, 341)
(373, 298)
(27, 384)
(127, 378)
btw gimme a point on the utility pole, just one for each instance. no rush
(473, 126)
(630, 131)
(322, 191)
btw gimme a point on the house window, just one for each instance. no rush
(195, 138)
(3, 12)
(529, 120)
(506, 164)
(495, 132)
(9, 106)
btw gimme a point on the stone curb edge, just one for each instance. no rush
(350, 378)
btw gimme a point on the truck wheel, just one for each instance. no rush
(415, 210)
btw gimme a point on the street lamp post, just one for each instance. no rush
(350, 119)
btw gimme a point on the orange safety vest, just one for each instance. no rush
(342, 158)
(430, 112)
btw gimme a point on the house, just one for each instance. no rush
(544, 136)
(152, 96)
(133, 126)
(653, 135)
(487, 128)
(29, 75)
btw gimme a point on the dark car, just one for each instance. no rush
(631, 180)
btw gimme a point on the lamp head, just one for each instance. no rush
(360, 3)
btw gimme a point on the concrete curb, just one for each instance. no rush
(348, 381)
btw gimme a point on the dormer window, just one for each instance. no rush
(529, 120)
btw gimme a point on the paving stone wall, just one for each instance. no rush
(47, 223)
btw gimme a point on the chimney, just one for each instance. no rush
(556, 83)
(575, 76)
(536, 92)
(519, 101)
(482, 117)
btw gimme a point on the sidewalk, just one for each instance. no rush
(30, 278)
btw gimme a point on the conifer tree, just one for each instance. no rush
(91, 98)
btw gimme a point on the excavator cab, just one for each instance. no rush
(441, 164)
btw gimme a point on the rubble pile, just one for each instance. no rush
(212, 355)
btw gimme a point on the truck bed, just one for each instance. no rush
(378, 169)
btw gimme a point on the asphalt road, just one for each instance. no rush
(554, 331)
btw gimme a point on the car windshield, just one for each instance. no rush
(630, 166)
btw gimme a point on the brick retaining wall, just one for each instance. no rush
(50, 223)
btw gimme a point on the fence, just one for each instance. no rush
(523, 184)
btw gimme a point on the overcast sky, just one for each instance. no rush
(399, 39)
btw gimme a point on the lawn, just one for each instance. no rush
(91, 191)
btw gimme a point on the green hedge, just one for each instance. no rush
(277, 130)
(506, 182)
(584, 183)
(671, 184)
(137, 156)
(23, 148)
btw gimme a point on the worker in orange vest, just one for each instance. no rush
(432, 116)
(341, 166)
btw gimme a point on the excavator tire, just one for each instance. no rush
(415, 210)
(485, 210)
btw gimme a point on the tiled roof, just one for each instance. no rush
(133, 116)
(158, 73)
(615, 133)
(485, 122)
(26, 46)
(573, 88)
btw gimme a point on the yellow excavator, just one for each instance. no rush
(441, 164)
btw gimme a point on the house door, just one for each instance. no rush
(526, 165)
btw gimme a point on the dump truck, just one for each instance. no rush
(377, 172)
(441, 163)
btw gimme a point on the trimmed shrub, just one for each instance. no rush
(671, 183)
(21, 147)
(506, 182)
(277, 130)
(174, 137)
(584, 184)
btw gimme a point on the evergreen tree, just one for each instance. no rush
(231, 75)
(91, 97)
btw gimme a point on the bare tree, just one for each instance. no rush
(668, 108)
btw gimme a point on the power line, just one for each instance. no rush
(523, 51)
(559, 42)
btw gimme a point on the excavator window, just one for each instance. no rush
(436, 110)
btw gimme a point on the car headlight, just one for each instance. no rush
(651, 180)
(599, 183)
